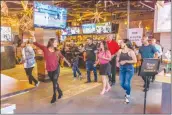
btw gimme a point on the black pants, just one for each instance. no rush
(112, 77)
(30, 76)
(148, 81)
(54, 78)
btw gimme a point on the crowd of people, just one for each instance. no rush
(108, 54)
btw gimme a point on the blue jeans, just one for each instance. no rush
(75, 69)
(90, 67)
(126, 73)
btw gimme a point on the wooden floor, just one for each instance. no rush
(11, 86)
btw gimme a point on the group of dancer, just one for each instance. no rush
(108, 55)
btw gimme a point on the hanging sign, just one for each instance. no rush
(135, 35)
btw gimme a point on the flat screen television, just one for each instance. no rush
(75, 30)
(89, 28)
(102, 28)
(49, 16)
(162, 18)
(6, 35)
(66, 31)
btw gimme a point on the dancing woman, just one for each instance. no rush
(52, 55)
(125, 60)
(104, 57)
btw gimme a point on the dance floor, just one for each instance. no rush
(85, 98)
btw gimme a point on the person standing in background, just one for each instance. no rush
(113, 47)
(63, 53)
(28, 59)
(159, 49)
(146, 51)
(91, 51)
(75, 60)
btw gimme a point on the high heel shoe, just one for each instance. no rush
(102, 93)
(53, 99)
(108, 89)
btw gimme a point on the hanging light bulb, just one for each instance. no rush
(125, 22)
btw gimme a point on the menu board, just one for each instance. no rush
(6, 34)
(89, 28)
(149, 67)
(102, 28)
(75, 30)
(66, 31)
(62, 38)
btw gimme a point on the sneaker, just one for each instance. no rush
(127, 97)
(37, 84)
(74, 79)
(80, 77)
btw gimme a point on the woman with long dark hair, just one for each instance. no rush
(125, 60)
(104, 57)
(52, 56)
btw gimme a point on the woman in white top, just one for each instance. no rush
(28, 59)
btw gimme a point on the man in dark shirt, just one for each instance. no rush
(113, 48)
(90, 49)
(74, 51)
(147, 51)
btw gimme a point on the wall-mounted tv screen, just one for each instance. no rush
(66, 31)
(48, 16)
(6, 35)
(89, 28)
(162, 18)
(102, 28)
(75, 30)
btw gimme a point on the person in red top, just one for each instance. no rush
(52, 56)
(114, 48)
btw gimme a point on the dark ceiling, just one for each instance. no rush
(85, 7)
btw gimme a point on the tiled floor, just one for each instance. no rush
(86, 98)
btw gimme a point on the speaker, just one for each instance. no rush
(115, 28)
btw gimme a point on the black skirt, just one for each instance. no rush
(105, 69)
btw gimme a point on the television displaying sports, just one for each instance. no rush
(102, 28)
(162, 18)
(66, 31)
(6, 35)
(49, 16)
(75, 30)
(89, 28)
